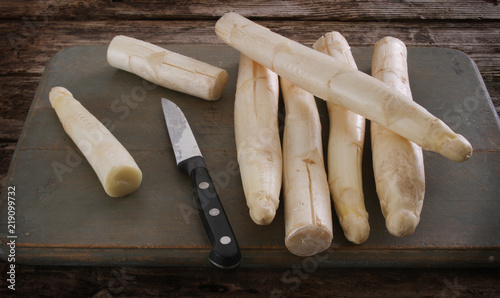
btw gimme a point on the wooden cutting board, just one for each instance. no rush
(63, 216)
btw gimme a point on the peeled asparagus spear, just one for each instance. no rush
(113, 164)
(397, 163)
(308, 215)
(257, 139)
(166, 68)
(345, 152)
(342, 84)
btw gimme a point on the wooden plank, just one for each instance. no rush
(274, 282)
(11, 130)
(18, 92)
(37, 47)
(67, 219)
(345, 10)
(14, 106)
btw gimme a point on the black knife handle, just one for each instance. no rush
(225, 252)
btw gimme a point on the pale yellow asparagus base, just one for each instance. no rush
(166, 68)
(345, 152)
(308, 217)
(257, 139)
(397, 162)
(342, 84)
(113, 164)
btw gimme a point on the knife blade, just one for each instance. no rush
(225, 252)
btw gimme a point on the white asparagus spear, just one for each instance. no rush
(397, 163)
(308, 214)
(345, 152)
(257, 139)
(166, 68)
(113, 164)
(342, 84)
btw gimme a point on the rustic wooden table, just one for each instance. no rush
(34, 31)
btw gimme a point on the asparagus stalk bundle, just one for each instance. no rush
(345, 152)
(113, 164)
(308, 216)
(338, 82)
(166, 68)
(257, 139)
(397, 162)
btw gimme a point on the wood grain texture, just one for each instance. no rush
(344, 10)
(99, 282)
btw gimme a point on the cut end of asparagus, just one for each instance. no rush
(356, 228)
(308, 240)
(456, 149)
(218, 86)
(401, 223)
(263, 210)
(122, 181)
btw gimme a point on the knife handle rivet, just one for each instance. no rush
(214, 212)
(203, 185)
(225, 240)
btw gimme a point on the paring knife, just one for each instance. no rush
(225, 252)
